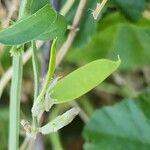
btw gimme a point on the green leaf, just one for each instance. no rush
(83, 80)
(52, 63)
(37, 4)
(32, 27)
(60, 121)
(42, 102)
(57, 29)
(132, 9)
(120, 127)
(29, 7)
(117, 36)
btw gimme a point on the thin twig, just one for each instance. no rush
(82, 113)
(67, 6)
(13, 6)
(72, 34)
(98, 9)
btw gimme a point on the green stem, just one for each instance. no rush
(51, 67)
(55, 141)
(15, 95)
(87, 106)
(36, 78)
(54, 137)
(35, 70)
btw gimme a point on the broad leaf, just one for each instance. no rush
(120, 127)
(116, 35)
(32, 27)
(133, 9)
(29, 7)
(57, 29)
(83, 80)
(37, 4)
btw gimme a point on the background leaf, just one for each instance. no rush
(116, 35)
(57, 29)
(4, 128)
(29, 7)
(83, 80)
(132, 9)
(123, 126)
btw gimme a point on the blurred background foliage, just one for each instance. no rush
(123, 28)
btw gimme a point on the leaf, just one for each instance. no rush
(5, 58)
(132, 9)
(120, 127)
(60, 121)
(29, 28)
(83, 80)
(57, 29)
(117, 36)
(37, 4)
(42, 104)
(32, 27)
(52, 62)
(29, 7)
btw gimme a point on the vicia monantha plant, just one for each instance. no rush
(39, 21)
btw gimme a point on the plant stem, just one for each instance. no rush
(15, 95)
(83, 115)
(24, 144)
(36, 78)
(67, 6)
(51, 68)
(87, 106)
(35, 70)
(55, 141)
(54, 137)
(8, 74)
(99, 8)
(72, 34)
